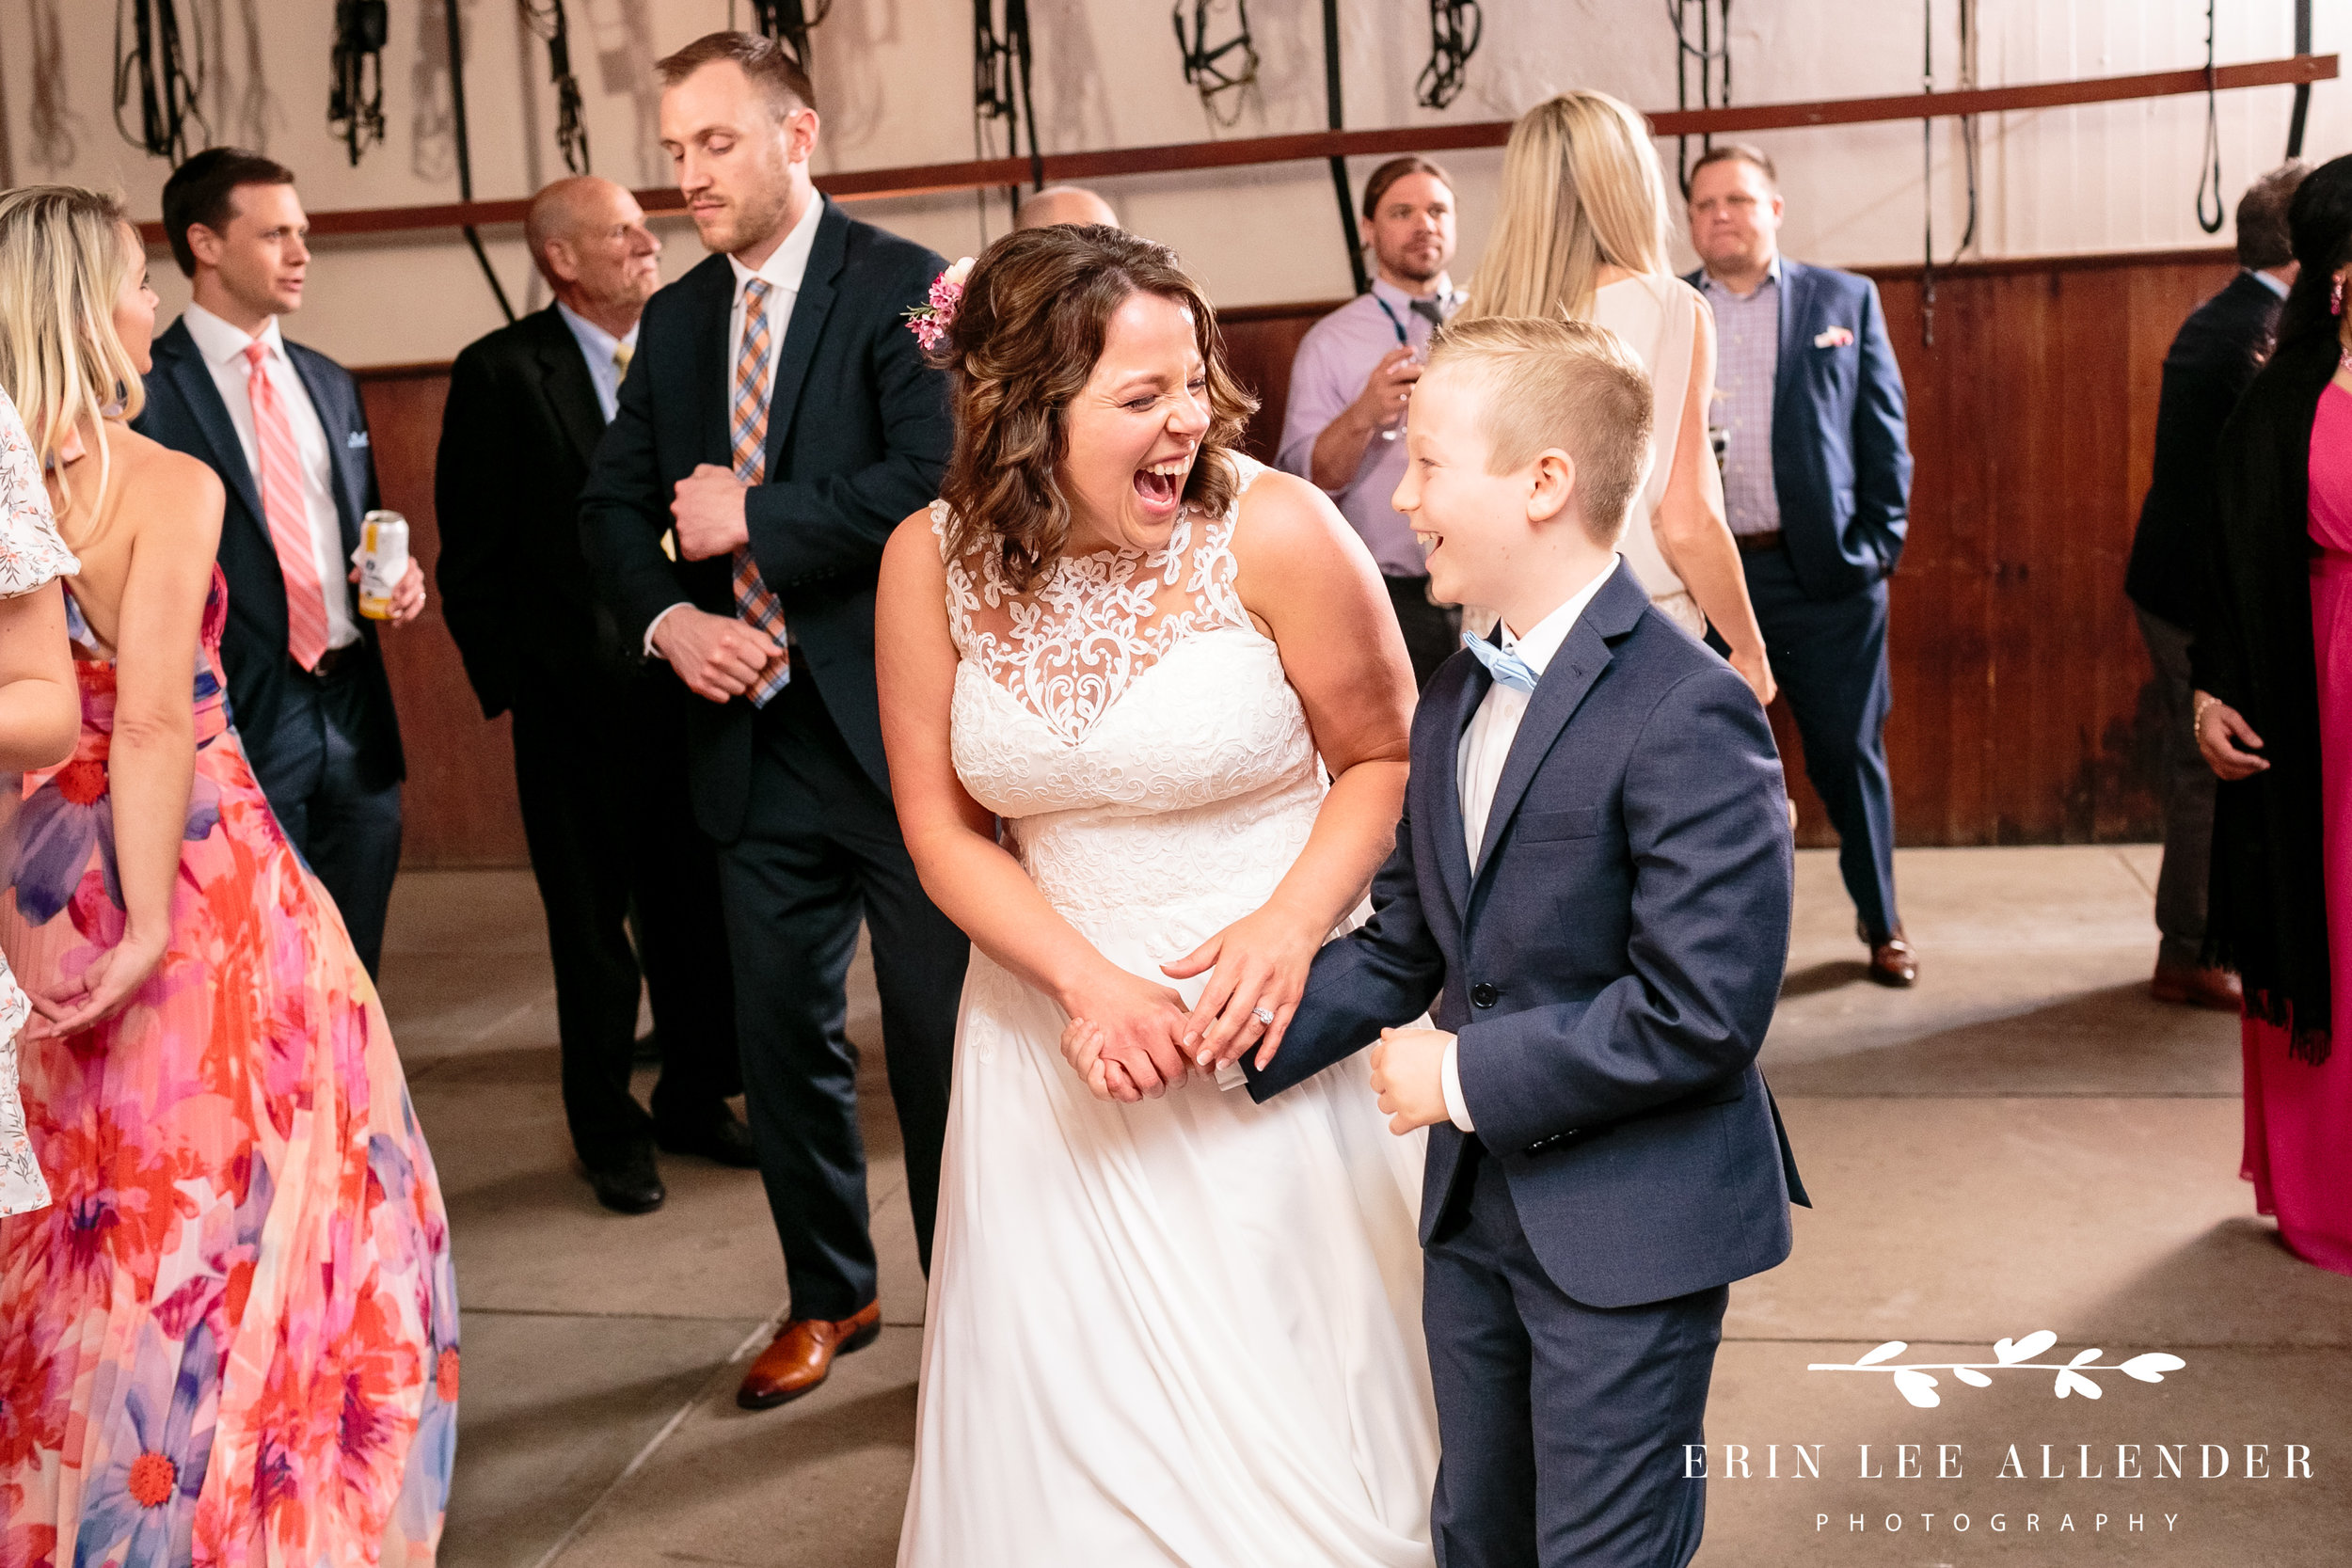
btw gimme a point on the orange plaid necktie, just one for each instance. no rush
(283, 509)
(747, 430)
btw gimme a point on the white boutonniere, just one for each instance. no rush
(1836, 336)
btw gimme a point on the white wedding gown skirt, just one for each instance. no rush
(1185, 1331)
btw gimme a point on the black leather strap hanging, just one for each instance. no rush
(2209, 167)
(548, 22)
(1926, 177)
(1714, 60)
(2302, 90)
(1000, 81)
(1337, 114)
(161, 69)
(465, 149)
(1454, 29)
(1216, 71)
(354, 98)
(789, 22)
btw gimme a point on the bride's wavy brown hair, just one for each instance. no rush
(1027, 334)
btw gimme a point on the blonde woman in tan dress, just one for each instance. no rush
(1581, 235)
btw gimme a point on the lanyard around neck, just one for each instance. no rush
(1392, 317)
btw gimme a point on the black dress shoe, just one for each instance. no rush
(630, 1185)
(719, 1138)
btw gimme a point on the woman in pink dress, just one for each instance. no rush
(2273, 666)
(233, 1336)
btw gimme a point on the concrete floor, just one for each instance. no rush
(2024, 1142)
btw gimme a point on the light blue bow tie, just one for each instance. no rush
(1507, 668)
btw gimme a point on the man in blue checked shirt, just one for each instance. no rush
(1817, 484)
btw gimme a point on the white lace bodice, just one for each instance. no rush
(1134, 729)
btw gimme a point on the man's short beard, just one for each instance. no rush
(1404, 268)
(748, 222)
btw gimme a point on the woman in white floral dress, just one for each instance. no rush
(40, 716)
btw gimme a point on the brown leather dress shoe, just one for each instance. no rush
(2193, 986)
(801, 1353)
(1893, 962)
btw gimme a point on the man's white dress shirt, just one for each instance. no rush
(222, 347)
(782, 271)
(603, 353)
(1485, 747)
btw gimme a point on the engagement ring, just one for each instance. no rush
(1261, 1015)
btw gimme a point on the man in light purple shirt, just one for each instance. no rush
(1351, 378)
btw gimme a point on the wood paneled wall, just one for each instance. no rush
(459, 807)
(2020, 714)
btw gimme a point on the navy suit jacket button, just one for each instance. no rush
(1483, 995)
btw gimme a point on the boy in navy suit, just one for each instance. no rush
(1591, 895)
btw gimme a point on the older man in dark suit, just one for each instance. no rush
(1817, 484)
(599, 734)
(780, 421)
(283, 427)
(2212, 360)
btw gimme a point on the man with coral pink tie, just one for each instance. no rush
(283, 427)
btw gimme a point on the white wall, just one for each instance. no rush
(893, 80)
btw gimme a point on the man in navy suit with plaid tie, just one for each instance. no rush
(777, 423)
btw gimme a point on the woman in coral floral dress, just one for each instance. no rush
(233, 1336)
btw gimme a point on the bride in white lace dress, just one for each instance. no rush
(1166, 1325)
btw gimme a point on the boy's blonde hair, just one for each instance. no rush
(1565, 384)
(1582, 188)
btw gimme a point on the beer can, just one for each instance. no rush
(382, 561)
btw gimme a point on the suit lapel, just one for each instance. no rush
(714, 378)
(193, 379)
(568, 387)
(336, 421)
(1792, 319)
(810, 311)
(1453, 847)
(1558, 693)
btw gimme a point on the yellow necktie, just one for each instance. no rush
(622, 355)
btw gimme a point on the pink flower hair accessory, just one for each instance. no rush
(930, 321)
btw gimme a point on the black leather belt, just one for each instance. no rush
(1758, 544)
(333, 662)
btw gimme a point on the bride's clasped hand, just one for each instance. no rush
(1130, 1039)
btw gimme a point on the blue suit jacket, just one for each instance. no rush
(184, 412)
(1841, 455)
(1610, 970)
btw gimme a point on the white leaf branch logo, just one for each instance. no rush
(2014, 1355)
